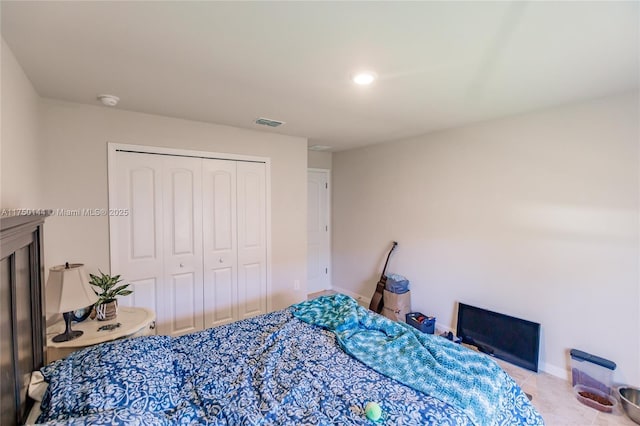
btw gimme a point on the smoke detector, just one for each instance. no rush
(268, 122)
(109, 100)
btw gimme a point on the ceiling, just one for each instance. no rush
(440, 64)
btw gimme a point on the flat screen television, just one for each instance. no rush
(512, 339)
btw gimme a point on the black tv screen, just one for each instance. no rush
(512, 339)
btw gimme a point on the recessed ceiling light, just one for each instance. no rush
(364, 78)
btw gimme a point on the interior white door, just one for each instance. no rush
(318, 243)
(182, 209)
(138, 235)
(252, 246)
(220, 242)
(160, 241)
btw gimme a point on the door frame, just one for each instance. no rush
(114, 147)
(327, 172)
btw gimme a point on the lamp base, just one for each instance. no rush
(68, 334)
(65, 337)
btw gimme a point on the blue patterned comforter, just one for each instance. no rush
(270, 370)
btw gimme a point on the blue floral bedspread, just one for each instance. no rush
(270, 370)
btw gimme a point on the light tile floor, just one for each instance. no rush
(553, 397)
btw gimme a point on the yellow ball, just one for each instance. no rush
(373, 411)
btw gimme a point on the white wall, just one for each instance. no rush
(319, 160)
(76, 139)
(535, 216)
(20, 175)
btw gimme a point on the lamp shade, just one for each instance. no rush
(68, 289)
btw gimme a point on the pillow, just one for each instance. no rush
(37, 386)
(132, 373)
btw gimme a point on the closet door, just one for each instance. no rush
(136, 238)
(252, 250)
(159, 243)
(182, 210)
(194, 242)
(220, 242)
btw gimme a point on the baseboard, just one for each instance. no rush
(443, 329)
(362, 300)
(559, 372)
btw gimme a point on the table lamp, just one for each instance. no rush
(68, 289)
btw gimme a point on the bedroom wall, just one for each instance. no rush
(535, 216)
(20, 174)
(319, 160)
(76, 137)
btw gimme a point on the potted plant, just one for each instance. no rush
(107, 304)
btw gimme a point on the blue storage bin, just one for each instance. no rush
(422, 322)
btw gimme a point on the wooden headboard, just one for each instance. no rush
(22, 320)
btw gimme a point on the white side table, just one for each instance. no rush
(134, 322)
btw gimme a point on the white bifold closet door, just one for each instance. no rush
(234, 237)
(252, 270)
(194, 243)
(219, 227)
(182, 245)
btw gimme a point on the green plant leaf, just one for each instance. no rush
(118, 290)
(107, 284)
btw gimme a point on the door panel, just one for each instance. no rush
(138, 236)
(182, 206)
(220, 246)
(224, 201)
(143, 212)
(251, 295)
(183, 297)
(220, 294)
(318, 247)
(144, 296)
(182, 229)
(252, 282)
(250, 193)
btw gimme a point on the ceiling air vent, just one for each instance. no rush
(319, 148)
(268, 122)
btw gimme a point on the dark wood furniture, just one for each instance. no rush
(22, 320)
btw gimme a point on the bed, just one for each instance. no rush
(22, 322)
(276, 369)
(290, 367)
